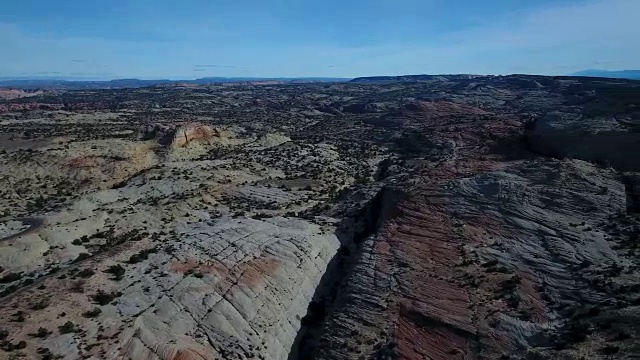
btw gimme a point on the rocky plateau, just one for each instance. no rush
(432, 217)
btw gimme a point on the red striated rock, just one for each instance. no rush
(468, 248)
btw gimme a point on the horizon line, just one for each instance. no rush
(79, 78)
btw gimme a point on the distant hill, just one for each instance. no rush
(30, 84)
(621, 74)
(411, 78)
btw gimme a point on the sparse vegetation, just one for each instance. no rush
(41, 333)
(10, 277)
(104, 298)
(67, 328)
(86, 273)
(18, 316)
(95, 312)
(41, 303)
(117, 272)
(142, 255)
(8, 346)
(431, 186)
(77, 286)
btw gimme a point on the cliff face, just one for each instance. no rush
(491, 251)
(483, 264)
(605, 140)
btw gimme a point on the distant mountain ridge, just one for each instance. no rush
(410, 78)
(616, 74)
(89, 84)
(623, 74)
(30, 84)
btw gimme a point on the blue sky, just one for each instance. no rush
(333, 38)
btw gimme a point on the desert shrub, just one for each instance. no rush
(41, 333)
(86, 273)
(104, 298)
(95, 312)
(17, 316)
(117, 271)
(42, 303)
(142, 255)
(67, 328)
(610, 350)
(77, 286)
(10, 277)
(8, 346)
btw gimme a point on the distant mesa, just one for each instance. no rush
(413, 78)
(61, 83)
(74, 84)
(616, 74)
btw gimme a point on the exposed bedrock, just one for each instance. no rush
(479, 266)
(483, 256)
(425, 219)
(603, 139)
(253, 282)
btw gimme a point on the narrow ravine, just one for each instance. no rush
(352, 232)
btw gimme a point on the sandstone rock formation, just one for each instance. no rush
(10, 94)
(195, 134)
(603, 139)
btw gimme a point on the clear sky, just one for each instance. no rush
(333, 38)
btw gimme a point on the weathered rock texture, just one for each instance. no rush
(234, 288)
(604, 139)
(486, 256)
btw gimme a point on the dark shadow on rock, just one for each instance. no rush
(351, 232)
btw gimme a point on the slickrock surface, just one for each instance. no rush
(444, 217)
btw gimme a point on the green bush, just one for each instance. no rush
(104, 298)
(117, 271)
(95, 312)
(42, 303)
(41, 333)
(86, 273)
(67, 328)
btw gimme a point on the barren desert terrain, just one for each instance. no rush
(429, 217)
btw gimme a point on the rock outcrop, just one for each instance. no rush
(235, 288)
(10, 94)
(603, 139)
(489, 252)
(195, 134)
